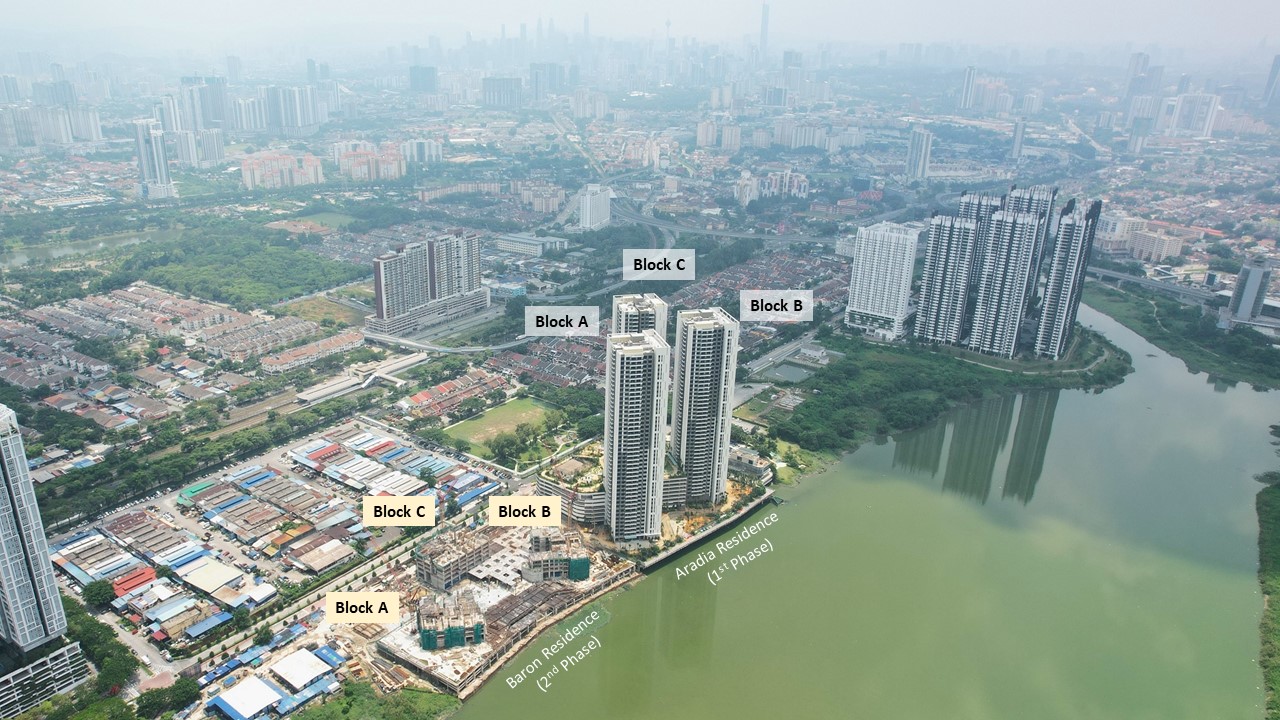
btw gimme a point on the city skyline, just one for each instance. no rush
(1145, 23)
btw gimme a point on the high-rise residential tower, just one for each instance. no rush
(1251, 289)
(427, 283)
(1006, 278)
(637, 313)
(882, 258)
(918, 149)
(31, 616)
(1062, 291)
(153, 164)
(637, 367)
(948, 270)
(593, 207)
(968, 91)
(706, 360)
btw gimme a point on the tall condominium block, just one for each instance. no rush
(944, 288)
(31, 617)
(593, 207)
(1019, 133)
(968, 91)
(422, 78)
(1251, 289)
(918, 149)
(427, 283)
(1006, 277)
(706, 361)
(1037, 200)
(882, 257)
(153, 164)
(1070, 259)
(1271, 93)
(30, 609)
(637, 367)
(637, 313)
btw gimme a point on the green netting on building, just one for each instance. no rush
(579, 568)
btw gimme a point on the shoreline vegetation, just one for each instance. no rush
(1242, 355)
(1268, 508)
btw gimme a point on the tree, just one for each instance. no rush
(99, 593)
(241, 618)
(428, 476)
(263, 636)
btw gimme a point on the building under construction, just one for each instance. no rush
(448, 622)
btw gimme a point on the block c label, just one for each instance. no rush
(658, 264)
(399, 510)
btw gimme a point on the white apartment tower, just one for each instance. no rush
(706, 360)
(593, 207)
(882, 257)
(944, 288)
(153, 164)
(1070, 259)
(30, 608)
(427, 283)
(1006, 279)
(635, 414)
(918, 149)
(637, 313)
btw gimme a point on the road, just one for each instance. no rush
(779, 353)
(1181, 291)
(636, 217)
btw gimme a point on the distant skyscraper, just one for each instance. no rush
(1006, 278)
(501, 92)
(184, 143)
(1070, 259)
(764, 34)
(882, 258)
(706, 362)
(593, 207)
(423, 79)
(1019, 131)
(968, 91)
(944, 288)
(153, 164)
(918, 149)
(235, 69)
(1251, 289)
(313, 73)
(212, 149)
(31, 612)
(637, 368)
(427, 283)
(636, 313)
(1271, 93)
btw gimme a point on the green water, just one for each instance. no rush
(1052, 555)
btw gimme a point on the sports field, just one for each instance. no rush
(503, 418)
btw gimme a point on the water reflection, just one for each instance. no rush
(1030, 441)
(970, 443)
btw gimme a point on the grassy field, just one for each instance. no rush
(503, 418)
(360, 291)
(317, 309)
(329, 219)
(359, 701)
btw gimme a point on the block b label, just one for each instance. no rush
(776, 306)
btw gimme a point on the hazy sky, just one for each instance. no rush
(235, 24)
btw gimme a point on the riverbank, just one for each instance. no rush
(1268, 507)
(1243, 355)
